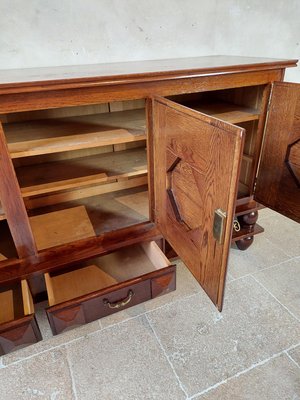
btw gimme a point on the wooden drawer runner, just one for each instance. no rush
(108, 284)
(18, 327)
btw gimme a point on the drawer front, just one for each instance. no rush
(17, 334)
(64, 316)
(163, 284)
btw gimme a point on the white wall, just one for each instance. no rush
(61, 32)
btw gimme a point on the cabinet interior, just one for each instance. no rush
(105, 271)
(7, 247)
(83, 170)
(239, 106)
(80, 167)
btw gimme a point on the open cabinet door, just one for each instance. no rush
(196, 169)
(278, 179)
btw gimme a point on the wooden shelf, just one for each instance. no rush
(107, 212)
(227, 112)
(56, 135)
(82, 172)
(245, 232)
(60, 227)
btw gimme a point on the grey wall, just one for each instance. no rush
(61, 32)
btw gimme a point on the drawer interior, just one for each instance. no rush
(16, 302)
(102, 272)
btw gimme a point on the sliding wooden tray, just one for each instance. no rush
(18, 327)
(108, 284)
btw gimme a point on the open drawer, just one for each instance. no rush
(18, 327)
(108, 284)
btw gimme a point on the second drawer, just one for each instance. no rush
(108, 284)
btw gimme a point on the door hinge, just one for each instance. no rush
(255, 183)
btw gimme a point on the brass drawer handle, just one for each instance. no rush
(120, 303)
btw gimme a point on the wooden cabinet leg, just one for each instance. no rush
(247, 221)
(244, 243)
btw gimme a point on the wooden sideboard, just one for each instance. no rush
(105, 167)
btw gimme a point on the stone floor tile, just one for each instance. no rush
(52, 342)
(186, 286)
(265, 213)
(295, 354)
(122, 362)
(283, 281)
(45, 376)
(261, 254)
(42, 320)
(206, 347)
(283, 232)
(278, 379)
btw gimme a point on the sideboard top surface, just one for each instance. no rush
(36, 79)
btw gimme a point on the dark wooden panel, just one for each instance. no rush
(278, 181)
(196, 168)
(18, 333)
(107, 301)
(13, 205)
(163, 284)
(97, 305)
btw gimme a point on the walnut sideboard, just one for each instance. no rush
(106, 169)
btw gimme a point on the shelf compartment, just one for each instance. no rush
(61, 227)
(106, 212)
(227, 112)
(52, 177)
(31, 138)
(82, 193)
(107, 284)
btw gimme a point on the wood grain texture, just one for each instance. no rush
(68, 254)
(76, 283)
(136, 71)
(139, 178)
(79, 172)
(7, 306)
(61, 227)
(91, 306)
(27, 298)
(31, 138)
(227, 112)
(18, 333)
(120, 266)
(197, 158)
(66, 96)
(13, 205)
(277, 187)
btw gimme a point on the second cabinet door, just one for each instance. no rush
(278, 179)
(196, 169)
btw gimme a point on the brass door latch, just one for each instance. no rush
(219, 225)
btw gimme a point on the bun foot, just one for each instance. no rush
(244, 243)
